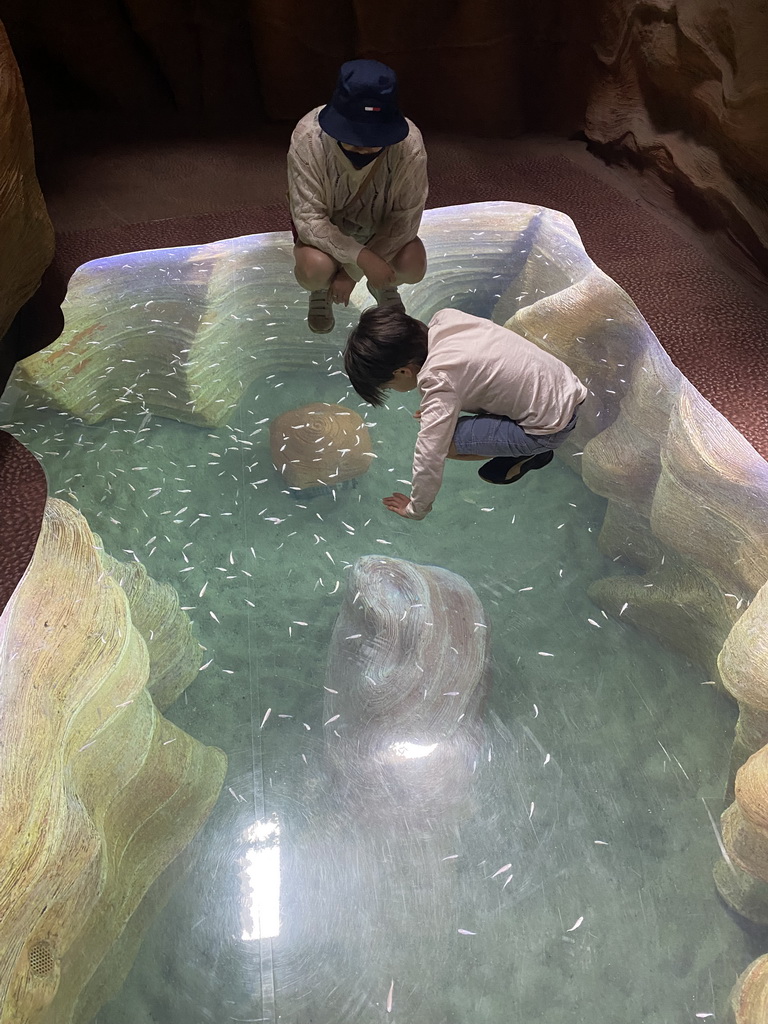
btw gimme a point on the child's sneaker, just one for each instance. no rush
(387, 296)
(320, 316)
(499, 470)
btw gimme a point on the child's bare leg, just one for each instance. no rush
(410, 263)
(314, 269)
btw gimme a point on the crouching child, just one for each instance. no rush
(522, 402)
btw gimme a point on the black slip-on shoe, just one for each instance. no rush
(495, 471)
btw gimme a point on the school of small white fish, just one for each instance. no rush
(205, 511)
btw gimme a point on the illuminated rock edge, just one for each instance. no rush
(99, 792)
(688, 495)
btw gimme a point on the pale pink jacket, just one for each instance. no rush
(473, 365)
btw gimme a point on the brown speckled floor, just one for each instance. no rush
(23, 488)
(713, 325)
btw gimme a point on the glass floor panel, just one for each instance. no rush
(556, 863)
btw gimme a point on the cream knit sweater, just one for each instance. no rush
(322, 181)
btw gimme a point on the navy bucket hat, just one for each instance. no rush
(363, 110)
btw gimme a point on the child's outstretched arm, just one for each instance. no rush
(438, 414)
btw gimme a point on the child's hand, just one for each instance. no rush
(341, 287)
(417, 414)
(398, 503)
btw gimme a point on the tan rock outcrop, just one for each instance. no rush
(320, 445)
(99, 792)
(174, 653)
(742, 878)
(743, 666)
(681, 89)
(749, 999)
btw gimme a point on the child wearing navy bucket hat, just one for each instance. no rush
(357, 186)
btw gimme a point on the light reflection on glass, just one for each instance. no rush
(261, 880)
(405, 749)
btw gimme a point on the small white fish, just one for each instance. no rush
(204, 589)
(530, 813)
(593, 623)
(575, 926)
(335, 717)
(463, 931)
(266, 716)
(547, 759)
(501, 871)
(624, 607)
(544, 654)
(213, 616)
(389, 996)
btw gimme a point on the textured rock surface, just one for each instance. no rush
(749, 999)
(688, 495)
(320, 445)
(99, 794)
(26, 248)
(682, 91)
(679, 604)
(174, 654)
(407, 672)
(743, 665)
(743, 879)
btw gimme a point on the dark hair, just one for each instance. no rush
(384, 340)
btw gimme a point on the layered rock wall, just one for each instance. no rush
(681, 91)
(99, 793)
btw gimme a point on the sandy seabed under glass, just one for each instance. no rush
(576, 883)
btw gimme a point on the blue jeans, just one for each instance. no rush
(497, 435)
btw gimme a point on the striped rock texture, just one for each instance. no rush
(408, 669)
(749, 999)
(320, 445)
(99, 792)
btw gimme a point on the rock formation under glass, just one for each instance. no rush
(205, 336)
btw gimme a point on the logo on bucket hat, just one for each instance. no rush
(363, 110)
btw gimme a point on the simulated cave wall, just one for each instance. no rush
(687, 496)
(26, 234)
(681, 91)
(675, 88)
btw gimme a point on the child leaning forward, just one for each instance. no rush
(522, 400)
